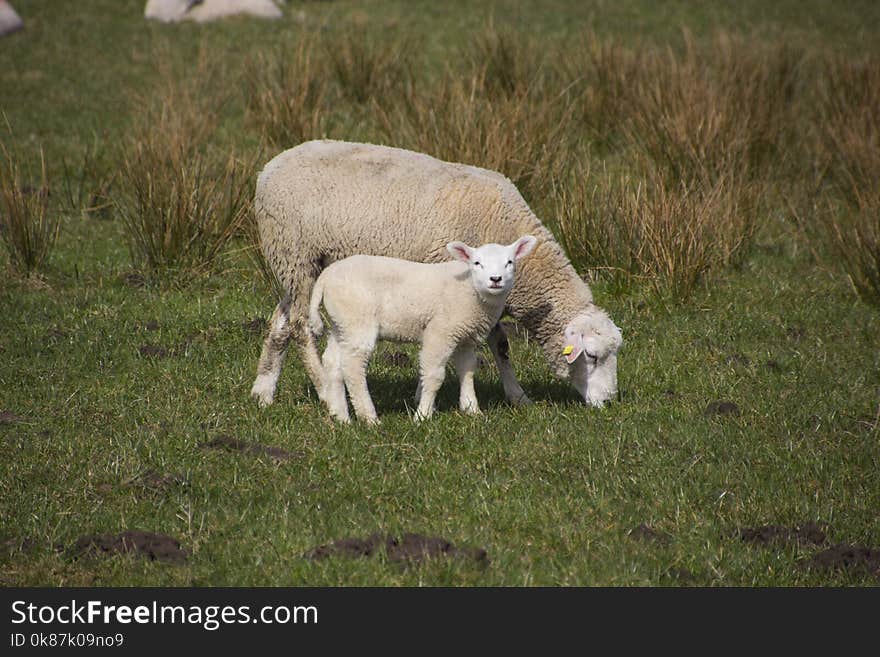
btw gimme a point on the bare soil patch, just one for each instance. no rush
(809, 533)
(410, 548)
(848, 557)
(722, 408)
(156, 547)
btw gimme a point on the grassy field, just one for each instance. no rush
(124, 384)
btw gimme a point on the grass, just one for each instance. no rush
(29, 225)
(106, 376)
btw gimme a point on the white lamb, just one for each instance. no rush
(449, 307)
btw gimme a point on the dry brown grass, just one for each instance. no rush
(369, 68)
(524, 136)
(848, 146)
(643, 229)
(29, 225)
(181, 199)
(288, 92)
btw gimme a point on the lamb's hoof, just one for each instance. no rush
(371, 421)
(263, 391)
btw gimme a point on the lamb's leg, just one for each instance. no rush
(465, 365)
(333, 393)
(500, 349)
(274, 350)
(432, 366)
(354, 355)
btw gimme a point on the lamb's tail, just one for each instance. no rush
(313, 331)
(316, 323)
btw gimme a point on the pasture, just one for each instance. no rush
(711, 168)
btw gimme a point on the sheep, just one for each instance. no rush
(449, 307)
(325, 200)
(202, 11)
(9, 20)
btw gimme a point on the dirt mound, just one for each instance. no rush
(407, 549)
(152, 351)
(810, 533)
(848, 557)
(234, 445)
(156, 547)
(721, 407)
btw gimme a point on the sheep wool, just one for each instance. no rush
(202, 11)
(326, 200)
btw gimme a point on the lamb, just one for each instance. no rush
(202, 11)
(448, 307)
(326, 200)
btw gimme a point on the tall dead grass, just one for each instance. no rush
(632, 229)
(848, 143)
(287, 93)
(181, 198)
(29, 225)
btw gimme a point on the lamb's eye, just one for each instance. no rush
(509, 263)
(478, 264)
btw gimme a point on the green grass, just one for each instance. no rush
(550, 491)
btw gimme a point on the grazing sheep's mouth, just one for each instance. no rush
(496, 287)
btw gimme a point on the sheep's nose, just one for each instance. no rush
(495, 279)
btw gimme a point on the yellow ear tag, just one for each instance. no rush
(567, 350)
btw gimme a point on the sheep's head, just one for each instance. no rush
(589, 352)
(492, 266)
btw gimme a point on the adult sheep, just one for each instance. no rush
(326, 200)
(202, 11)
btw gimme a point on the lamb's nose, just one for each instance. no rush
(495, 279)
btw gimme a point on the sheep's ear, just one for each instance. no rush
(573, 349)
(460, 251)
(523, 246)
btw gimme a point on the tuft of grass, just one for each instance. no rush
(287, 94)
(509, 62)
(181, 201)
(29, 226)
(87, 187)
(702, 114)
(524, 136)
(627, 230)
(369, 68)
(848, 152)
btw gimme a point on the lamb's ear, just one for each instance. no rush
(523, 246)
(460, 251)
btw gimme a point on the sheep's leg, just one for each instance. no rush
(274, 350)
(354, 371)
(500, 348)
(465, 365)
(333, 393)
(432, 366)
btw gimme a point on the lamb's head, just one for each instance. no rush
(590, 345)
(492, 266)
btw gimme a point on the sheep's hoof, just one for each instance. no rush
(522, 400)
(263, 391)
